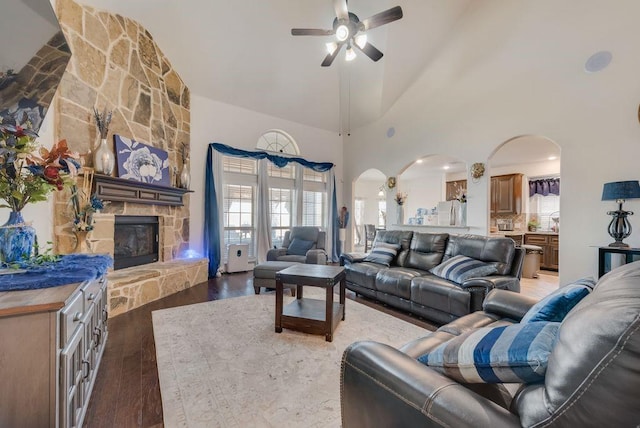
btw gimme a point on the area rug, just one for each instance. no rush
(221, 364)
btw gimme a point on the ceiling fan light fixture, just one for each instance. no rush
(331, 47)
(342, 32)
(361, 40)
(350, 54)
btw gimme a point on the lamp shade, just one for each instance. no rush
(621, 190)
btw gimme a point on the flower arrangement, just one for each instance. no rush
(28, 173)
(401, 198)
(84, 204)
(103, 120)
(461, 193)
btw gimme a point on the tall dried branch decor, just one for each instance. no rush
(103, 120)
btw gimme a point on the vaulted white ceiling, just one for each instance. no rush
(242, 53)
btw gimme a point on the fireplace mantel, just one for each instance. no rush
(118, 189)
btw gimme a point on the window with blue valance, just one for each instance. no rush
(213, 226)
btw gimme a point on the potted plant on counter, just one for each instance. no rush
(533, 224)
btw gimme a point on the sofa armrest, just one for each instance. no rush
(274, 253)
(503, 282)
(316, 257)
(348, 258)
(508, 304)
(382, 387)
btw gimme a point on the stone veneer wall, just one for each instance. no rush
(116, 64)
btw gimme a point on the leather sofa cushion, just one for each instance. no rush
(400, 237)
(437, 293)
(397, 281)
(363, 274)
(495, 250)
(427, 251)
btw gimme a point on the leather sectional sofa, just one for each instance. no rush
(592, 377)
(407, 283)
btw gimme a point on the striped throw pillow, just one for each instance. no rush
(383, 253)
(516, 353)
(557, 305)
(460, 268)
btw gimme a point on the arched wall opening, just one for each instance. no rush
(369, 205)
(525, 197)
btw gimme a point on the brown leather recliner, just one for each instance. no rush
(592, 378)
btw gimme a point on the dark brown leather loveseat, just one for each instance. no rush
(592, 378)
(407, 283)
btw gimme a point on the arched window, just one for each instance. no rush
(278, 141)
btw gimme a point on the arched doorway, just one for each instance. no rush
(370, 205)
(525, 198)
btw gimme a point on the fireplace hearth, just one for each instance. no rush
(135, 241)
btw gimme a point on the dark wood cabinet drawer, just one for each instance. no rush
(535, 239)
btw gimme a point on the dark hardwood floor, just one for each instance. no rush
(127, 390)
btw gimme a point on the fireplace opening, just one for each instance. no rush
(135, 241)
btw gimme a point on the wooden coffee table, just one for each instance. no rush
(310, 315)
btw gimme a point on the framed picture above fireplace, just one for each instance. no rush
(140, 162)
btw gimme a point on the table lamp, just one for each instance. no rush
(619, 191)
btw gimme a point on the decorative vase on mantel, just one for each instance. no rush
(82, 245)
(16, 239)
(104, 160)
(184, 179)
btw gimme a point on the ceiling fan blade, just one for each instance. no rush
(371, 51)
(382, 18)
(310, 32)
(341, 9)
(328, 60)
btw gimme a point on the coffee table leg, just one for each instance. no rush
(279, 291)
(328, 326)
(343, 285)
(299, 292)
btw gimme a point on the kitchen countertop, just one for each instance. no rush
(520, 232)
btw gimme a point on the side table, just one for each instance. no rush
(627, 255)
(311, 315)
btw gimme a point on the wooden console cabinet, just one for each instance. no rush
(52, 344)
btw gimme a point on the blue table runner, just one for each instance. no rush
(68, 269)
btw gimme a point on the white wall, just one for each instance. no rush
(516, 68)
(216, 122)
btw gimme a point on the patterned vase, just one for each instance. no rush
(104, 161)
(16, 239)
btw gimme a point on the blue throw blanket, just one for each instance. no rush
(68, 270)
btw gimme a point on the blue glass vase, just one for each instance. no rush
(16, 239)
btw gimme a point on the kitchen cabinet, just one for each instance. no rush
(506, 194)
(52, 345)
(550, 248)
(454, 188)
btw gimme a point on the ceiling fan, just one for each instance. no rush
(350, 31)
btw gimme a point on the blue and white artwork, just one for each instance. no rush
(140, 162)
